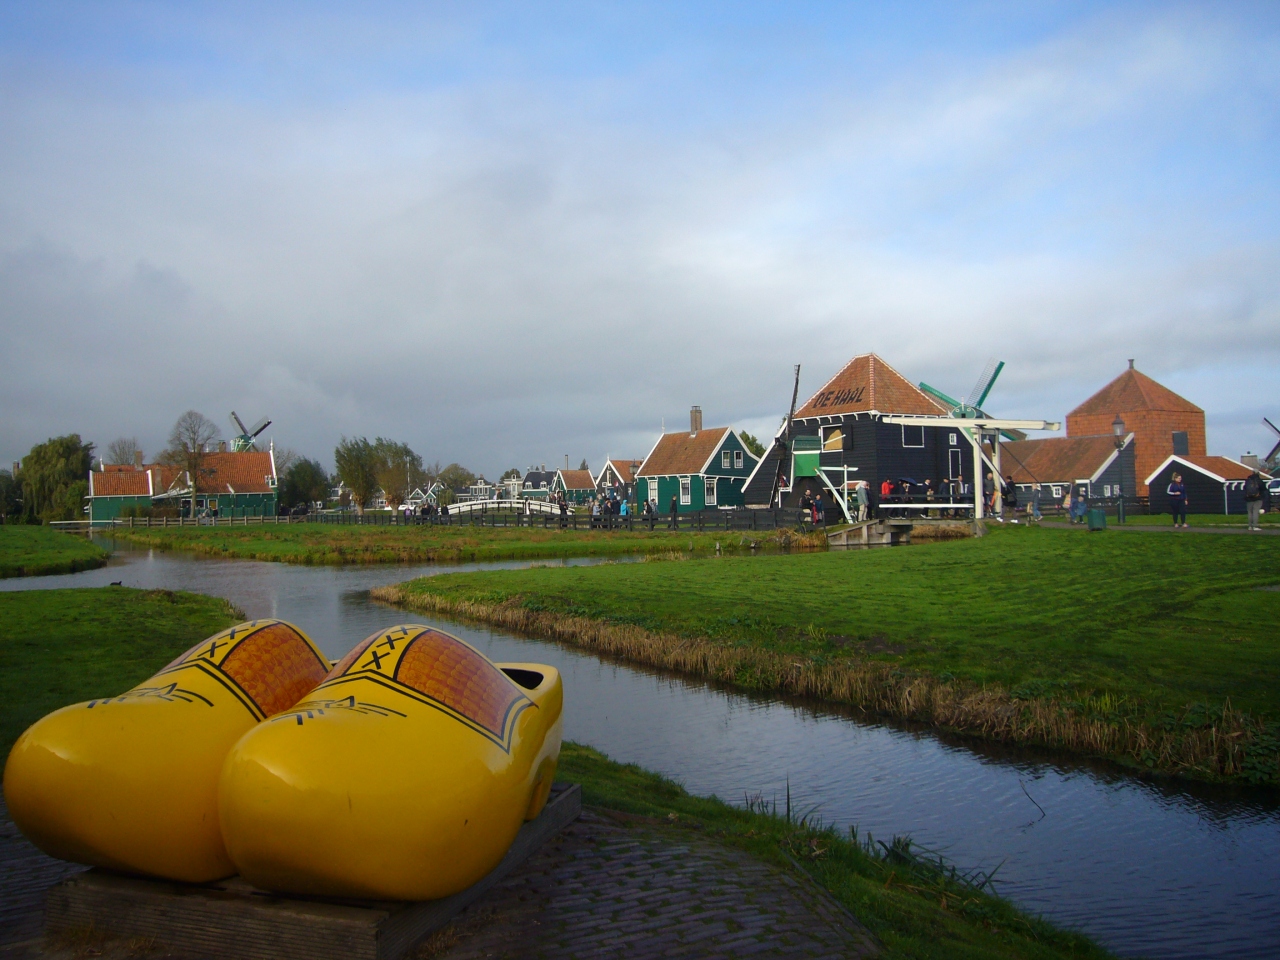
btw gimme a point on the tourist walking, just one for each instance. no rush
(1034, 504)
(1009, 499)
(862, 500)
(1255, 492)
(1178, 501)
(675, 513)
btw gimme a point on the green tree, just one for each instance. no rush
(357, 464)
(10, 497)
(304, 482)
(455, 477)
(55, 479)
(752, 444)
(513, 474)
(583, 465)
(398, 468)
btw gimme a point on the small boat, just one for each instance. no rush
(404, 776)
(131, 782)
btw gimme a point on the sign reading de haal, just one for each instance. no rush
(838, 398)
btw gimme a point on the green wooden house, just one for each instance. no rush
(578, 486)
(703, 469)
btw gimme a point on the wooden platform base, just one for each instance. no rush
(871, 533)
(233, 920)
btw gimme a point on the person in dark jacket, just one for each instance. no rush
(1009, 499)
(675, 513)
(1255, 496)
(1178, 501)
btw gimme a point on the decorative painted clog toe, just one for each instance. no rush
(405, 776)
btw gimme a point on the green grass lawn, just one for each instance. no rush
(899, 898)
(1153, 629)
(63, 646)
(316, 543)
(28, 551)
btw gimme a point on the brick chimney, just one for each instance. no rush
(222, 446)
(137, 459)
(695, 420)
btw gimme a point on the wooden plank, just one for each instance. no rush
(232, 920)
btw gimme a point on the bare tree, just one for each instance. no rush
(124, 450)
(187, 442)
(286, 458)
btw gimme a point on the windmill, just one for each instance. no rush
(1272, 459)
(971, 406)
(244, 440)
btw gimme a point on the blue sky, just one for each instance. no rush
(504, 234)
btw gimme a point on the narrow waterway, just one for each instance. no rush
(1148, 868)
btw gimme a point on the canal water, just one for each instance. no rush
(1148, 868)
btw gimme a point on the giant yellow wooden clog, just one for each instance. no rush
(404, 776)
(131, 782)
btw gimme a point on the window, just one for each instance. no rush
(1180, 447)
(1106, 489)
(709, 491)
(686, 494)
(1057, 491)
(737, 459)
(912, 436)
(832, 438)
(956, 463)
(724, 459)
(954, 438)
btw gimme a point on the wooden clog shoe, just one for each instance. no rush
(131, 782)
(405, 776)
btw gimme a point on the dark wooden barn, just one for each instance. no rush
(1214, 484)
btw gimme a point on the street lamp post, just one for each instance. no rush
(1117, 430)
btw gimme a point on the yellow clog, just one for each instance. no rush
(404, 776)
(131, 782)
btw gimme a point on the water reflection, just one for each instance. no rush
(1148, 867)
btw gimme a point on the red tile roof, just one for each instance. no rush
(247, 472)
(577, 479)
(1223, 467)
(1055, 459)
(682, 453)
(626, 469)
(119, 483)
(868, 383)
(1130, 392)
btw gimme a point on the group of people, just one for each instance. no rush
(1257, 498)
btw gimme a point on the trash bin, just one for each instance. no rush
(1097, 519)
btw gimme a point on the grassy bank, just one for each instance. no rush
(29, 551)
(916, 909)
(1160, 652)
(315, 543)
(62, 646)
(1269, 519)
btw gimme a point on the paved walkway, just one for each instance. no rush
(610, 886)
(1242, 530)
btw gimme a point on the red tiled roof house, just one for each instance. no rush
(703, 469)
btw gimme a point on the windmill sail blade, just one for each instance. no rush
(991, 382)
(259, 427)
(238, 422)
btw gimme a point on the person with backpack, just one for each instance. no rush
(1255, 493)
(1177, 491)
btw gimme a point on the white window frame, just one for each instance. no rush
(709, 491)
(724, 459)
(912, 446)
(737, 459)
(1057, 490)
(954, 437)
(686, 491)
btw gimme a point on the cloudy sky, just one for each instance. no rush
(506, 233)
